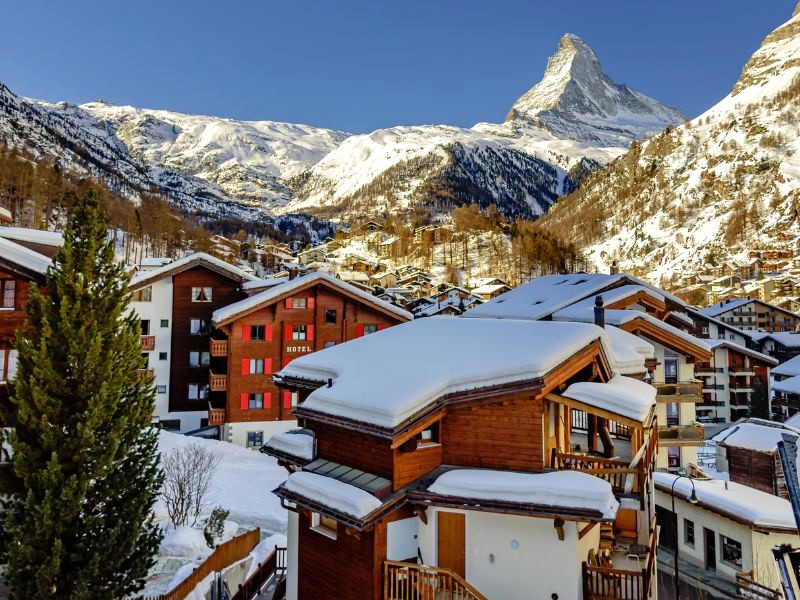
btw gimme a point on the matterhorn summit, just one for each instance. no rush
(576, 100)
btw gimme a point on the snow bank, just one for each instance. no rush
(332, 493)
(563, 489)
(629, 350)
(752, 505)
(242, 482)
(621, 395)
(376, 379)
(185, 542)
(754, 436)
(300, 445)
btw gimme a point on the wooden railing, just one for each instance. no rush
(145, 373)
(696, 472)
(409, 581)
(681, 435)
(216, 416)
(614, 471)
(580, 422)
(148, 342)
(273, 565)
(606, 583)
(223, 556)
(219, 348)
(689, 391)
(217, 383)
(747, 588)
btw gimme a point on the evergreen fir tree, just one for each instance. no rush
(759, 403)
(84, 455)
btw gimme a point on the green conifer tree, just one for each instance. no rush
(85, 459)
(759, 402)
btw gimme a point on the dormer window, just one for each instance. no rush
(429, 436)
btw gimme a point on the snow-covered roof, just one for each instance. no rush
(376, 379)
(793, 421)
(741, 349)
(629, 350)
(489, 288)
(252, 303)
(787, 339)
(23, 257)
(154, 261)
(787, 386)
(621, 395)
(187, 262)
(732, 499)
(726, 305)
(258, 284)
(296, 444)
(560, 490)
(618, 294)
(755, 434)
(543, 296)
(683, 318)
(332, 493)
(32, 236)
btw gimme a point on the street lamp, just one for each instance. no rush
(693, 500)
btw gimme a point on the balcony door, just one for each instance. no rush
(670, 370)
(450, 542)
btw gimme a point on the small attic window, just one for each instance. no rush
(562, 281)
(580, 281)
(537, 302)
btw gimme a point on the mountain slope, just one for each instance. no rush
(588, 121)
(718, 185)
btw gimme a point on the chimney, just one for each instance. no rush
(599, 312)
(614, 268)
(293, 272)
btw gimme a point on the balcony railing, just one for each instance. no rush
(219, 348)
(707, 371)
(145, 373)
(607, 583)
(689, 391)
(681, 435)
(148, 343)
(741, 371)
(409, 581)
(217, 383)
(216, 416)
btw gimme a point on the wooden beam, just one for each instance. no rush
(582, 533)
(593, 410)
(559, 526)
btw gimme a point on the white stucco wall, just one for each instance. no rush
(236, 433)
(291, 555)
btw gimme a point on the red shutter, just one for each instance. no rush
(287, 399)
(245, 366)
(286, 361)
(267, 365)
(310, 303)
(288, 303)
(267, 399)
(310, 333)
(381, 326)
(244, 400)
(268, 333)
(359, 329)
(245, 333)
(287, 332)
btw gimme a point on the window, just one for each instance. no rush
(257, 333)
(201, 294)
(164, 322)
(255, 400)
(8, 364)
(143, 295)
(256, 366)
(290, 399)
(330, 344)
(330, 316)
(705, 330)
(429, 436)
(198, 327)
(198, 391)
(199, 359)
(688, 532)
(255, 439)
(731, 552)
(298, 332)
(324, 525)
(162, 356)
(161, 389)
(370, 329)
(8, 293)
(299, 303)
(171, 424)
(145, 326)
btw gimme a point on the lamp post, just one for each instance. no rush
(693, 500)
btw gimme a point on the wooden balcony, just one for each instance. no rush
(608, 583)
(689, 391)
(216, 416)
(219, 348)
(217, 383)
(410, 581)
(145, 373)
(148, 343)
(681, 435)
(741, 371)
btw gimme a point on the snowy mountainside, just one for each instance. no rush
(716, 186)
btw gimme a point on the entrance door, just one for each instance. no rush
(451, 540)
(711, 549)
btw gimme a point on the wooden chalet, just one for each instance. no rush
(261, 334)
(453, 470)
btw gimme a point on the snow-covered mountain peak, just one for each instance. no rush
(576, 100)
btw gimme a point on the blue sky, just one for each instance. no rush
(360, 65)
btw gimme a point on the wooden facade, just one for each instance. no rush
(759, 470)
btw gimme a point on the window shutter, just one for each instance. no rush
(286, 361)
(310, 303)
(244, 400)
(245, 366)
(288, 303)
(381, 326)
(359, 329)
(267, 365)
(268, 333)
(267, 399)
(287, 399)
(287, 332)
(245, 333)
(310, 333)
